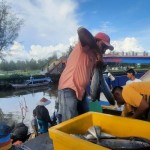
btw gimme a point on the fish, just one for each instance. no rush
(124, 144)
(95, 135)
(95, 85)
(98, 85)
(106, 135)
(95, 131)
(89, 136)
(79, 136)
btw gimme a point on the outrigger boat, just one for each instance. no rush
(33, 83)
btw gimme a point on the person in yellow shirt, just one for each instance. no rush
(135, 96)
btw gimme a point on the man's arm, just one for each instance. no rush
(35, 130)
(141, 109)
(87, 39)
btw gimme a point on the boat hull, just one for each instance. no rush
(22, 86)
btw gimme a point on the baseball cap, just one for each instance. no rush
(105, 38)
(5, 141)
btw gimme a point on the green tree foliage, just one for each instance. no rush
(33, 65)
(9, 26)
(70, 49)
(4, 66)
(25, 65)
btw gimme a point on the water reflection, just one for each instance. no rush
(12, 101)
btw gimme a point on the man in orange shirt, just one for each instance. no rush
(78, 71)
(135, 96)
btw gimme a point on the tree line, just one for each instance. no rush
(25, 65)
(21, 65)
(31, 64)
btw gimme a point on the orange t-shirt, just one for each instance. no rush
(134, 92)
(78, 70)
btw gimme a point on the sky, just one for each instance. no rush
(50, 26)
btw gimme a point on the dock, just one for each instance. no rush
(41, 142)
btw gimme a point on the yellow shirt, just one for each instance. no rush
(133, 94)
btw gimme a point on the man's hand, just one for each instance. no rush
(36, 133)
(86, 38)
(141, 109)
(101, 65)
(129, 114)
(53, 123)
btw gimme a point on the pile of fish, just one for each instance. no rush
(95, 135)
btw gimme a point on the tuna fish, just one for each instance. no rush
(96, 132)
(95, 85)
(98, 85)
(95, 135)
(124, 144)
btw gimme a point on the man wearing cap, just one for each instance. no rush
(5, 141)
(77, 73)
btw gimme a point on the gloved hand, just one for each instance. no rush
(53, 123)
(101, 65)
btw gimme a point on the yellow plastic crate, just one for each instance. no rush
(118, 126)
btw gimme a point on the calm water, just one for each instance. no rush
(11, 103)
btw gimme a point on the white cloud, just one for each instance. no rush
(127, 45)
(46, 21)
(51, 26)
(47, 24)
(36, 52)
(17, 52)
(39, 52)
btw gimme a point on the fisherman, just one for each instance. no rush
(6, 143)
(136, 97)
(19, 134)
(43, 116)
(131, 75)
(78, 71)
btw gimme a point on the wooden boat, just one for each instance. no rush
(32, 83)
(146, 76)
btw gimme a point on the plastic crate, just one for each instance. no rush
(118, 126)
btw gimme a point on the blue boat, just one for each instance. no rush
(33, 83)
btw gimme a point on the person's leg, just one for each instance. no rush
(40, 125)
(59, 116)
(43, 126)
(67, 104)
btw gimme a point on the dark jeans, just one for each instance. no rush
(83, 106)
(43, 126)
(69, 105)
